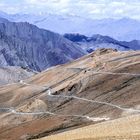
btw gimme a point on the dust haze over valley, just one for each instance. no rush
(69, 70)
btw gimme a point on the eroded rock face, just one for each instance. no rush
(23, 44)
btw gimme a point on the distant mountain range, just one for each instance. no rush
(124, 29)
(97, 41)
(23, 44)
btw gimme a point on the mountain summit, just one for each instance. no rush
(24, 44)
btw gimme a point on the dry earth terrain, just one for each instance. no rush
(90, 92)
(127, 128)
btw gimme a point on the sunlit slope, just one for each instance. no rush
(101, 86)
(127, 128)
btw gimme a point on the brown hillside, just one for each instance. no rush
(102, 86)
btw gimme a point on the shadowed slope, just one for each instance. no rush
(23, 44)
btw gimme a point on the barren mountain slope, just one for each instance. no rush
(101, 86)
(11, 74)
(25, 45)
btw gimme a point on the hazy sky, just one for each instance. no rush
(86, 8)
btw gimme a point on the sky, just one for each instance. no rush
(84, 8)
